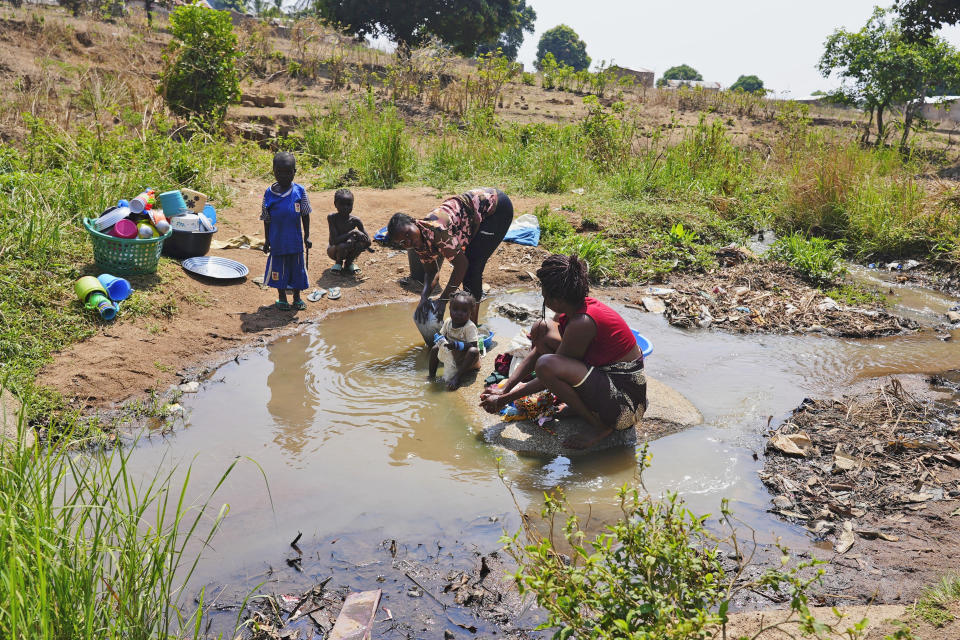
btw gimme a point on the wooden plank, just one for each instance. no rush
(355, 621)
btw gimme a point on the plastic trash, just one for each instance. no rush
(524, 230)
(743, 309)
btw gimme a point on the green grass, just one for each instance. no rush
(933, 605)
(45, 189)
(88, 550)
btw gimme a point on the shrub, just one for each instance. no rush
(817, 259)
(595, 250)
(553, 226)
(528, 78)
(382, 152)
(199, 77)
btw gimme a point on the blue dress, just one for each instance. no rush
(285, 266)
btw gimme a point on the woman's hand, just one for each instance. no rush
(423, 310)
(492, 401)
(440, 308)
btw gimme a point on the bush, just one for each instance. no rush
(817, 259)
(200, 78)
(382, 152)
(528, 78)
(553, 226)
(595, 250)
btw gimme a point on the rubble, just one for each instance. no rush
(835, 461)
(752, 297)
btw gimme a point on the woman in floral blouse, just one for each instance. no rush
(464, 229)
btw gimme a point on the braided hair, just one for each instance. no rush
(393, 227)
(564, 278)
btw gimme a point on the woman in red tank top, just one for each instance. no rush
(588, 358)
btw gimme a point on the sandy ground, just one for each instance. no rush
(126, 359)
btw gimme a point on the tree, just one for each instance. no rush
(748, 84)
(880, 68)
(199, 77)
(462, 25)
(920, 18)
(565, 45)
(679, 72)
(511, 39)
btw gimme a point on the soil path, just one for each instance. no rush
(126, 359)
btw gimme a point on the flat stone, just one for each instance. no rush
(190, 387)
(653, 305)
(953, 316)
(9, 417)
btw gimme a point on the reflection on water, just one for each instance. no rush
(352, 438)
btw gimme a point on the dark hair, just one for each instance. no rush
(564, 278)
(466, 296)
(342, 194)
(284, 157)
(396, 221)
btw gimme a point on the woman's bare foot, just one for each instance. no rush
(588, 437)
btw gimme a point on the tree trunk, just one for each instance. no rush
(880, 133)
(908, 112)
(865, 137)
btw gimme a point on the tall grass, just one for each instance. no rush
(87, 551)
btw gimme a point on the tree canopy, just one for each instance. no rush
(462, 25)
(920, 18)
(679, 72)
(511, 39)
(748, 84)
(880, 67)
(565, 45)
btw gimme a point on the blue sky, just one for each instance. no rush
(779, 41)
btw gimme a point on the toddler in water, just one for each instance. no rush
(348, 239)
(285, 209)
(457, 345)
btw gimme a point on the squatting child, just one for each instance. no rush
(348, 239)
(285, 209)
(457, 346)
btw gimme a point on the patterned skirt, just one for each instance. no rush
(616, 392)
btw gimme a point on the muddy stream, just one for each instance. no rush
(355, 448)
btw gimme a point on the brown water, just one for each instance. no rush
(356, 446)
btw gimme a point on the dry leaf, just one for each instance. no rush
(846, 538)
(795, 444)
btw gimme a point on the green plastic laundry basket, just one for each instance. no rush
(118, 256)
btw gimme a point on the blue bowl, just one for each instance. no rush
(646, 347)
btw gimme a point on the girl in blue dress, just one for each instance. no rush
(286, 209)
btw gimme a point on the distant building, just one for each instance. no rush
(641, 77)
(706, 86)
(943, 108)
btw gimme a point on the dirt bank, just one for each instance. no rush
(126, 359)
(874, 475)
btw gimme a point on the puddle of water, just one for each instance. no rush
(354, 441)
(926, 306)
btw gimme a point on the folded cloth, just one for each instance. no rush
(238, 242)
(381, 236)
(493, 378)
(524, 230)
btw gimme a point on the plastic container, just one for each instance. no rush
(124, 229)
(146, 230)
(125, 257)
(210, 212)
(188, 244)
(110, 217)
(172, 203)
(86, 286)
(103, 305)
(117, 288)
(646, 347)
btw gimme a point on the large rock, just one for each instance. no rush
(668, 411)
(9, 417)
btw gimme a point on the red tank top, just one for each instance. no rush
(614, 338)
